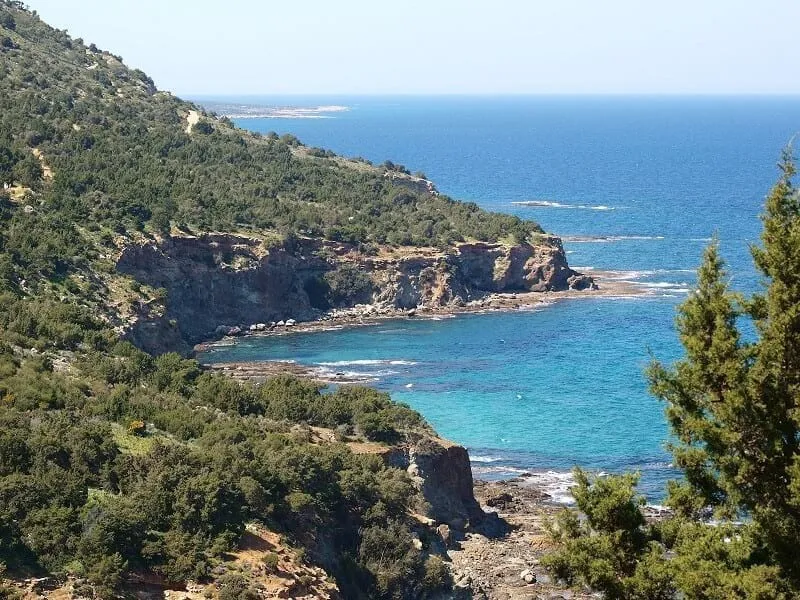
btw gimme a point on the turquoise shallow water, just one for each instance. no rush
(637, 185)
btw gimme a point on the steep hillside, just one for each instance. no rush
(121, 154)
(120, 472)
(98, 167)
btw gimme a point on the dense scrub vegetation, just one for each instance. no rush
(732, 404)
(124, 157)
(112, 461)
(117, 461)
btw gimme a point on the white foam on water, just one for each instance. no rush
(483, 459)
(556, 484)
(662, 284)
(366, 363)
(665, 287)
(371, 375)
(633, 276)
(605, 239)
(550, 204)
(484, 468)
(332, 378)
(627, 275)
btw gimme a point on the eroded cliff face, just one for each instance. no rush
(442, 471)
(216, 282)
(473, 270)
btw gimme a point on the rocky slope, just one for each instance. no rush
(490, 566)
(217, 282)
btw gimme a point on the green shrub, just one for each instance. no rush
(348, 285)
(271, 561)
(437, 575)
(235, 587)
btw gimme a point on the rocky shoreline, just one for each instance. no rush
(608, 285)
(214, 285)
(506, 566)
(504, 563)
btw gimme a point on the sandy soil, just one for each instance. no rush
(192, 119)
(47, 172)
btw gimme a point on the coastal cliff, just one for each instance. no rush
(216, 283)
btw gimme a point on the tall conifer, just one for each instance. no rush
(733, 406)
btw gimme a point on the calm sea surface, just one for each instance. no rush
(634, 184)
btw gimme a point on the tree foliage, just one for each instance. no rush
(732, 402)
(122, 157)
(732, 405)
(84, 491)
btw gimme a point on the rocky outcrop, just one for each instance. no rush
(442, 472)
(446, 482)
(156, 334)
(473, 270)
(217, 282)
(418, 185)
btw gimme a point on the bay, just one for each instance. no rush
(638, 185)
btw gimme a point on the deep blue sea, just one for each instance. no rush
(637, 185)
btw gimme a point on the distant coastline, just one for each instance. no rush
(254, 111)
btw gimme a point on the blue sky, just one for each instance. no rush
(446, 46)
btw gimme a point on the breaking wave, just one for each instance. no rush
(604, 239)
(549, 204)
(556, 484)
(484, 459)
(366, 363)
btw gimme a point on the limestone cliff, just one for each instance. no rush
(443, 473)
(219, 281)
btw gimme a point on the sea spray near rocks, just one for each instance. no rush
(549, 204)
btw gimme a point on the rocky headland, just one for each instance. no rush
(225, 284)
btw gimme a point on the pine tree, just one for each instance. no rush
(734, 406)
(770, 485)
(703, 390)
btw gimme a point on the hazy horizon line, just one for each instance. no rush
(485, 94)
